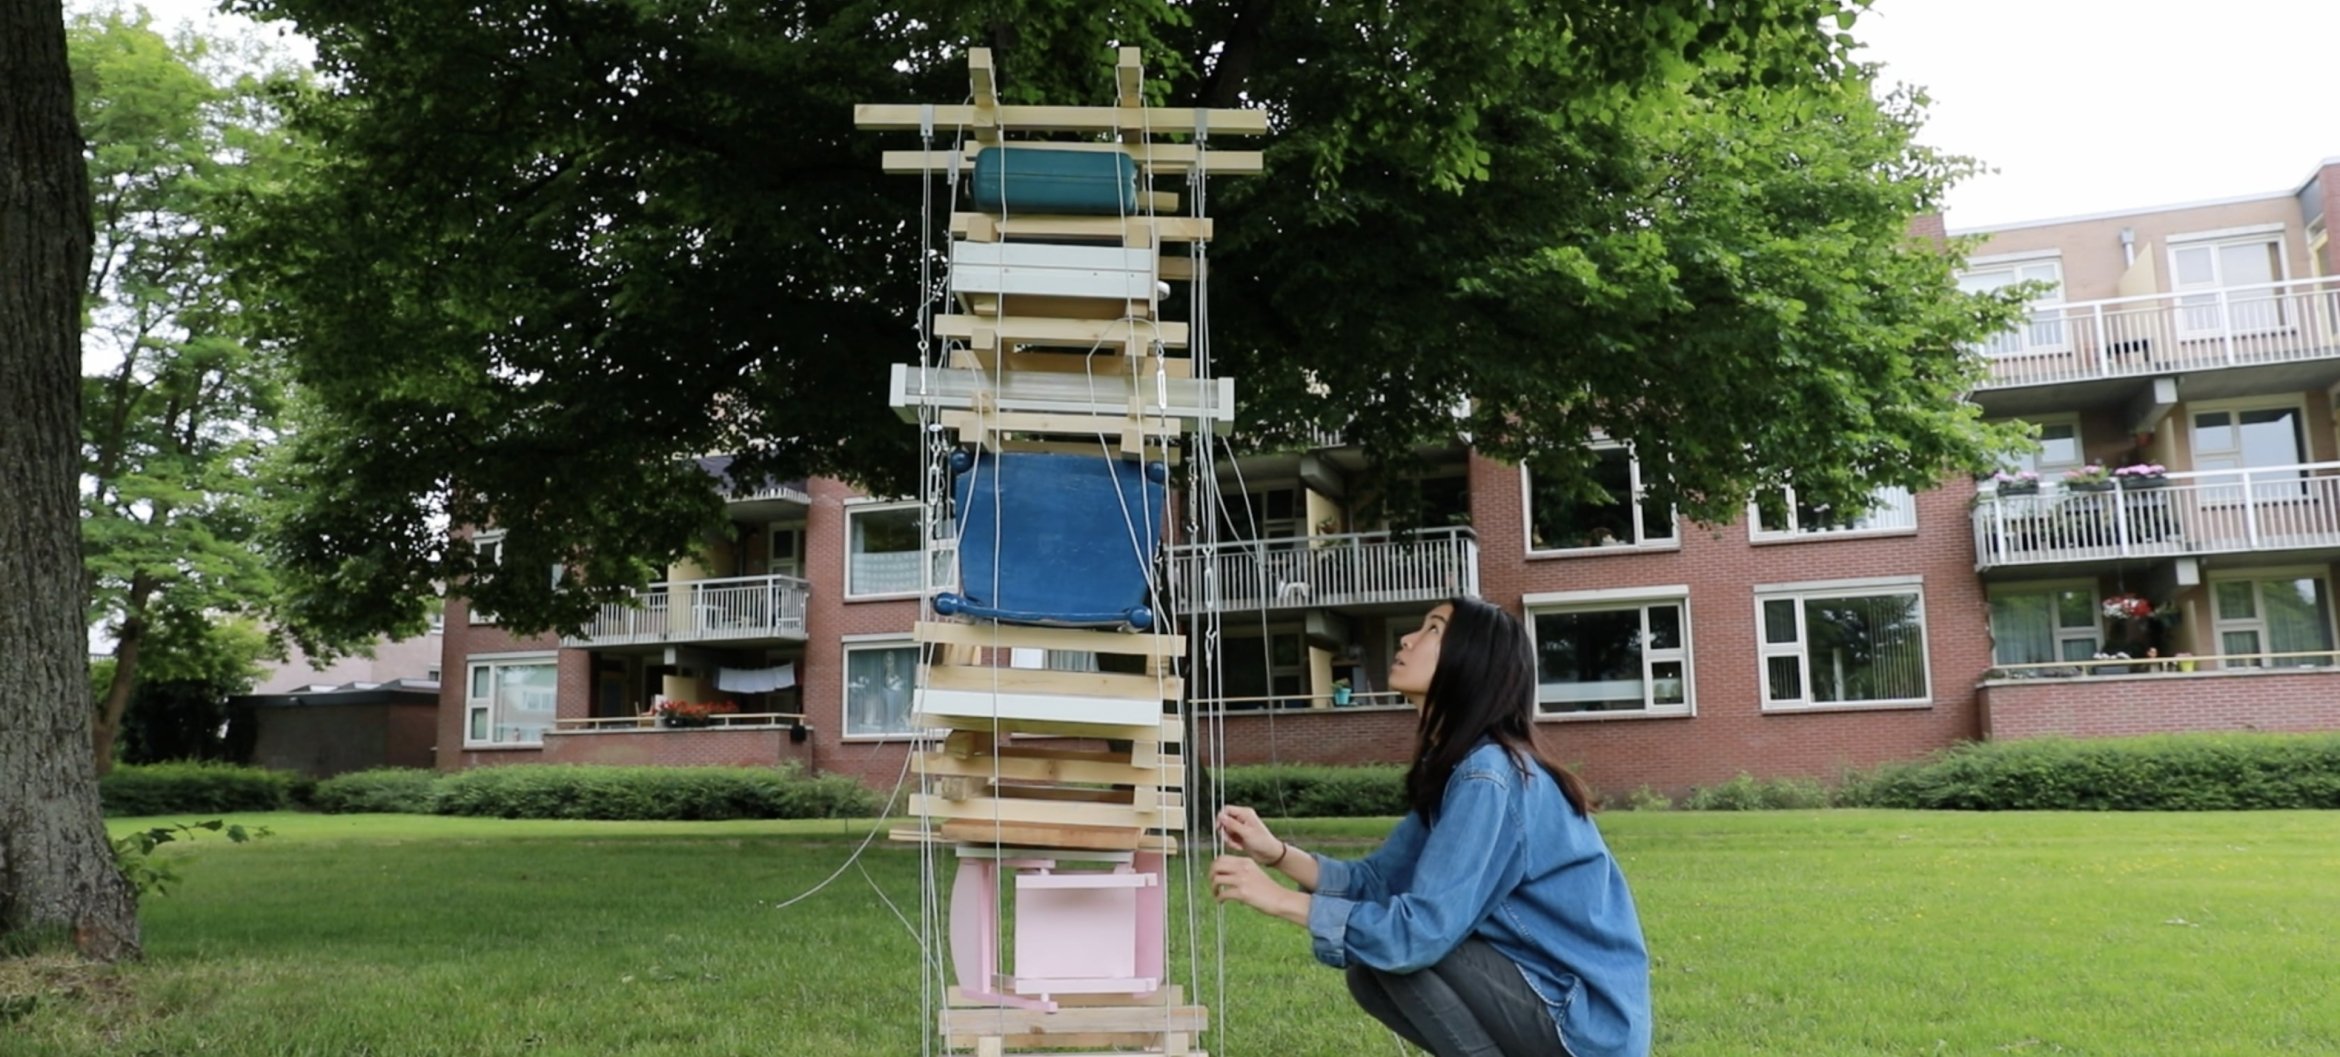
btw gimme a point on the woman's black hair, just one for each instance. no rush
(1484, 688)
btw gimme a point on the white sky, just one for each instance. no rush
(2091, 106)
(2082, 106)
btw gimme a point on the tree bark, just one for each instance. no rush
(57, 873)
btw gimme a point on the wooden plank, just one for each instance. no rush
(1010, 636)
(1070, 1019)
(1076, 333)
(1052, 270)
(1032, 770)
(1051, 306)
(1041, 681)
(1158, 160)
(1015, 708)
(1167, 995)
(1104, 229)
(1042, 837)
(1088, 427)
(1167, 731)
(1180, 268)
(1047, 812)
(1160, 120)
(1177, 368)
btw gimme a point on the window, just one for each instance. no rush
(1560, 520)
(490, 548)
(2043, 624)
(2273, 615)
(510, 701)
(2045, 331)
(431, 673)
(1271, 514)
(2271, 442)
(786, 554)
(1613, 657)
(1778, 515)
(882, 555)
(2204, 273)
(2059, 448)
(1265, 672)
(878, 682)
(1849, 645)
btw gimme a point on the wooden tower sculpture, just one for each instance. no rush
(1059, 397)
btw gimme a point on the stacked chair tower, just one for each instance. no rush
(1060, 395)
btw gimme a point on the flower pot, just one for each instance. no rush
(2140, 484)
(2007, 488)
(2088, 486)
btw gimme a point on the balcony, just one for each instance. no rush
(736, 609)
(2265, 323)
(1307, 572)
(2270, 508)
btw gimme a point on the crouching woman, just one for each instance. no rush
(1493, 920)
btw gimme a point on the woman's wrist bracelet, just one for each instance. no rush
(1272, 863)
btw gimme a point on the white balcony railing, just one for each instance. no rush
(1300, 572)
(740, 607)
(2297, 319)
(2203, 512)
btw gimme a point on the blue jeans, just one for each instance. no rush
(1473, 1003)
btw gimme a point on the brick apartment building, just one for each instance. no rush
(2202, 338)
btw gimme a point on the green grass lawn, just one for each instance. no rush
(1807, 933)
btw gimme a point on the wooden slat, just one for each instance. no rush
(1075, 333)
(1105, 362)
(1040, 770)
(1159, 120)
(1071, 640)
(1048, 812)
(1105, 229)
(1041, 681)
(971, 425)
(1168, 731)
(1070, 1019)
(1180, 268)
(1038, 836)
(1167, 995)
(1158, 159)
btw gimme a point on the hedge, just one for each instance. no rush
(384, 790)
(197, 788)
(2163, 772)
(1305, 791)
(662, 793)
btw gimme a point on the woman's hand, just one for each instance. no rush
(1238, 879)
(1247, 834)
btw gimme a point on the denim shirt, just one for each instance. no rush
(1512, 863)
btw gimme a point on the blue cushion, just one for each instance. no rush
(1061, 540)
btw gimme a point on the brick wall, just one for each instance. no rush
(1318, 736)
(1729, 732)
(829, 620)
(676, 748)
(2160, 703)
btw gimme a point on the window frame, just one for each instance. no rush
(2094, 630)
(1795, 533)
(2035, 462)
(858, 508)
(2257, 623)
(2275, 236)
(471, 665)
(1798, 594)
(1641, 542)
(2017, 343)
(485, 543)
(1639, 599)
(848, 645)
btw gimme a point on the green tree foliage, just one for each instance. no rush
(192, 665)
(180, 401)
(554, 247)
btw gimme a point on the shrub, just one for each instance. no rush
(386, 790)
(1642, 799)
(196, 788)
(2166, 772)
(1748, 793)
(1310, 791)
(647, 793)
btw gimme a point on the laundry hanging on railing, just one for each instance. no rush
(755, 680)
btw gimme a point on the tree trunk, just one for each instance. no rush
(57, 872)
(129, 643)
